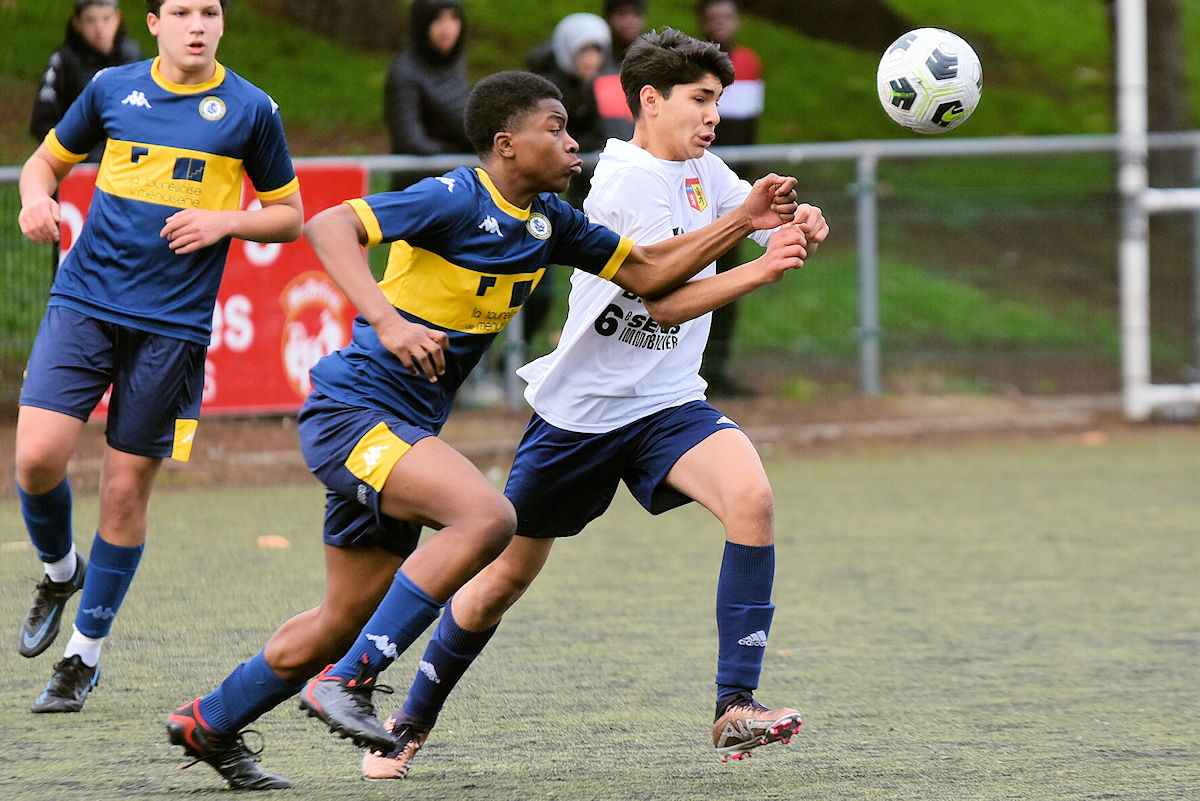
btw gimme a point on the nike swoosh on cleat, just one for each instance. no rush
(37, 635)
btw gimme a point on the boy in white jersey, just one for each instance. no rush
(467, 248)
(132, 303)
(620, 399)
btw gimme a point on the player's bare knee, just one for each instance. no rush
(751, 502)
(39, 472)
(496, 524)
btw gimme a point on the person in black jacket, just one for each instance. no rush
(425, 94)
(95, 39)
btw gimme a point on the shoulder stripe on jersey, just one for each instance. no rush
(367, 216)
(453, 297)
(498, 199)
(617, 259)
(59, 152)
(170, 176)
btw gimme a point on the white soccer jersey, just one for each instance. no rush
(614, 364)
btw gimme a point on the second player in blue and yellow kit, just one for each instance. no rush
(131, 305)
(463, 260)
(169, 147)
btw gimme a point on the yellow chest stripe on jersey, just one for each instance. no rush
(170, 176)
(453, 297)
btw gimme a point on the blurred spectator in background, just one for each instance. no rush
(626, 21)
(740, 107)
(95, 39)
(425, 93)
(572, 59)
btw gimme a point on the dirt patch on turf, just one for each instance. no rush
(262, 451)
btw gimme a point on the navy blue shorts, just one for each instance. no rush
(562, 480)
(157, 381)
(352, 450)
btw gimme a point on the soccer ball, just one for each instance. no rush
(929, 80)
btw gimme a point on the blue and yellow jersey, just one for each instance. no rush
(462, 260)
(168, 147)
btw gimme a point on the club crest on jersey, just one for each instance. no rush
(212, 108)
(538, 226)
(695, 194)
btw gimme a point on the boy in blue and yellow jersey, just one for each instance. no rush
(131, 305)
(467, 249)
(621, 400)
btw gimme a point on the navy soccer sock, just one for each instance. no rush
(247, 693)
(402, 615)
(744, 612)
(48, 520)
(110, 571)
(451, 650)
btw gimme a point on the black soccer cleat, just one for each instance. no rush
(227, 754)
(68, 687)
(41, 623)
(344, 705)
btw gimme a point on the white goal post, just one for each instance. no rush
(1140, 398)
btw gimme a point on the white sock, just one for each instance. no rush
(63, 569)
(86, 648)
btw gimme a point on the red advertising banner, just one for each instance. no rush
(277, 312)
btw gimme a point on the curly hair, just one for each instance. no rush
(500, 101)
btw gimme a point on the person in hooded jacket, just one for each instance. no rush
(572, 59)
(425, 93)
(95, 39)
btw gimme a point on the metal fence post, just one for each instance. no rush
(868, 272)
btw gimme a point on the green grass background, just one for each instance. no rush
(1048, 69)
(988, 620)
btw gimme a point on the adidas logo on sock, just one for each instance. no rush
(756, 640)
(428, 671)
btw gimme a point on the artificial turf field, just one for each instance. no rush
(985, 620)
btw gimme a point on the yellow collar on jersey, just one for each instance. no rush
(187, 88)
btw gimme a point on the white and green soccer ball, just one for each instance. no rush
(929, 80)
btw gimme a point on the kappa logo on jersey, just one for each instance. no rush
(538, 226)
(449, 182)
(490, 225)
(385, 646)
(695, 194)
(756, 640)
(137, 99)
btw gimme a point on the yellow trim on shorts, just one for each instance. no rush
(375, 455)
(185, 434)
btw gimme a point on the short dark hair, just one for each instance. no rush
(667, 59)
(155, 6)
(702, 5)
(613, 6)
(499, 101)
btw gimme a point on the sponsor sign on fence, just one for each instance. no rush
(277, 312)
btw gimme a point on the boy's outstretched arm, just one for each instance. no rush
(653, 270)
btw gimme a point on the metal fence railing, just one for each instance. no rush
(997, 225)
